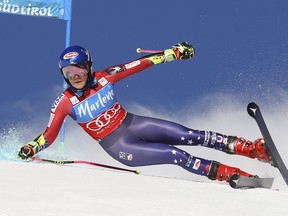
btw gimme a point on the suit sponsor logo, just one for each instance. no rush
(197, 164)
(103, 81)
(125, 156)
(132, 64)
(74, 100)
(56, 102)
(50, 120)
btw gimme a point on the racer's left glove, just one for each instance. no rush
(183, 51)
(179, 51)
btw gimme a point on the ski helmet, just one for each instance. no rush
(77, 56)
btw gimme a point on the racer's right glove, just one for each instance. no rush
(27, 151)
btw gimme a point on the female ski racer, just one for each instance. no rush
(132, 139)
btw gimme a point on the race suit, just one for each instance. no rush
(131, 139)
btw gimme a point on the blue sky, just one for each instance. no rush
(241, 49)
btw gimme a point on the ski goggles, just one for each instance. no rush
(71, 71)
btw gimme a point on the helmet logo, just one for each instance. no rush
(70, 55)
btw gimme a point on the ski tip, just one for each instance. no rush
(252, 108)
(233, 181)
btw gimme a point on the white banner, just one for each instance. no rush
(60, 9)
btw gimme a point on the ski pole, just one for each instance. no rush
(83, 162)
(139, 50)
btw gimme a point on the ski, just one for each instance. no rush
(243, 182)
(254, 111)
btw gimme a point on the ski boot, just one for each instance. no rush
(223, 172)
(256, 149)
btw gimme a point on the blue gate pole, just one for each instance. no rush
(65, 86)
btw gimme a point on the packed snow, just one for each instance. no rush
(46, 189)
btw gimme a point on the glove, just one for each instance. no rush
(183, 51)
(179, 51)
(27, 152)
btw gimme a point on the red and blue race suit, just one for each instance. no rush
(131, 139)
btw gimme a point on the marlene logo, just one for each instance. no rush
(71, 55)
(96, 104)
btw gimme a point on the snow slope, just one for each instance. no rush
(47, 189)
